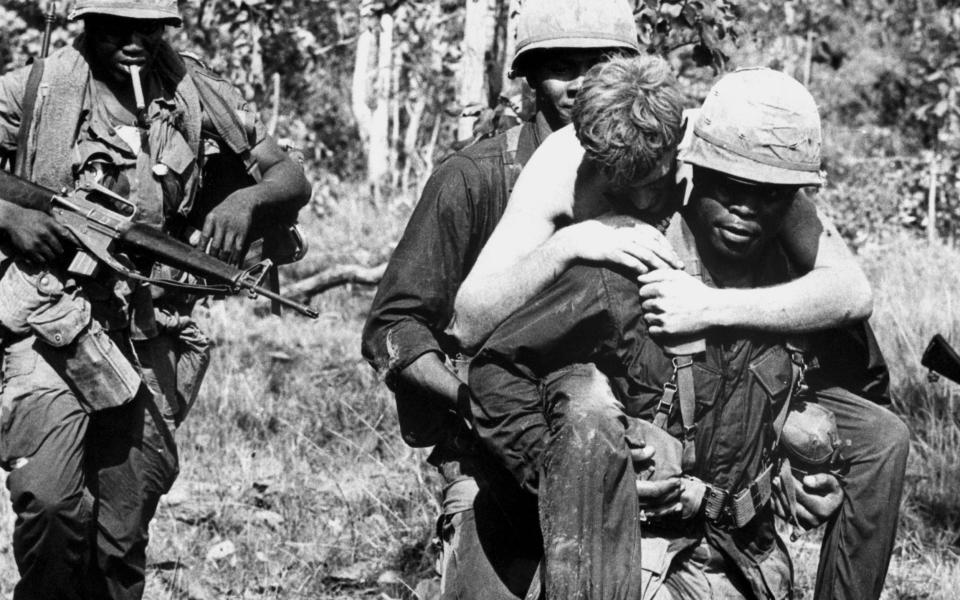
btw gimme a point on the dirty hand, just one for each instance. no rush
(639, 247)
(818, 497)
(660, 498)
(675, 302)
(642, 456)
(227, 227)
(34, 235)
(657, 498)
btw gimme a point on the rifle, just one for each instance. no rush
(941, 359)
(48, 20)
(102, 223)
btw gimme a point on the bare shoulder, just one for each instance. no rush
(545, 189)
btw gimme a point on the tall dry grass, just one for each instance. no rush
(295, 483)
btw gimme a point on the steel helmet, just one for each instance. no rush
(758, 124)
(546, 24)
(163, 10)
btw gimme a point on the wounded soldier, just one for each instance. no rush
(563, 388)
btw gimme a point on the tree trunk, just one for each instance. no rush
(410, 139)
(478, 31)
(395, 106)
(378, 163)
(256, 56)
(360, 88)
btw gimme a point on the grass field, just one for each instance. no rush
(295, 484)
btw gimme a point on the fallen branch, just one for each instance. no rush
(334, 277)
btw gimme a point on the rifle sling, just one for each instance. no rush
(26, 116)
(170, 284)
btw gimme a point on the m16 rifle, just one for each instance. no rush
(941, 359)
(103, 224)
(48, 20)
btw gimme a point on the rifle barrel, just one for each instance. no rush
(303, 309)
(49, 19)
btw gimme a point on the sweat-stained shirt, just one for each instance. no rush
(593, 315)
(461, 205)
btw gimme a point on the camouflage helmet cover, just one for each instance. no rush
(761, 125)
(163, 10)
(546, 24)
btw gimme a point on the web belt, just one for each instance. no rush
(736, 510)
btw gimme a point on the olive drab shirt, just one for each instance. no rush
(461, 204)
(79, 133)
(69, 100)
(593, 315)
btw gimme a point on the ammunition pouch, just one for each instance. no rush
(94, 366)
(72, 343)
(733, 510)
(24, 290)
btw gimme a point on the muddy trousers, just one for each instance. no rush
(589, 512)
(589, 520)
(858, 542)
(84, 486)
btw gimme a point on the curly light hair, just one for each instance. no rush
(627, 116)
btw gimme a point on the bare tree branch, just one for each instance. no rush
(334, 277)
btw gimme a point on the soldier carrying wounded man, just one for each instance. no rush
(721, 398)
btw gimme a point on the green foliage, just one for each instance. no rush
(886, 73)
(874, 200)
(307, 43)
(710, 26)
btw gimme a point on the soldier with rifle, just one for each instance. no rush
(129, 146)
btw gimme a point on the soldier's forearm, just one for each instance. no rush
(485, 301)
(431, 375)
(812, 302)
(283, 187)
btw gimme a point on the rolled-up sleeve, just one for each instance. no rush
(414, 301)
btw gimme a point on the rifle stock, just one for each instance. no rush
(941, 358)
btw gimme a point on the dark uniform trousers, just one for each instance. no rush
(858, 541)
(567, 435)
(589, 514)
(84, 485)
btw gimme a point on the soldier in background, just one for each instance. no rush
(489, 528)
(98, 376)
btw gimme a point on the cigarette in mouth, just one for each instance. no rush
(137, 87)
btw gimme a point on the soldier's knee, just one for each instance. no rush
(587, 417)
(595, 419)
(50, 512)
(590, 434)
(896, 434)
(884, 437)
